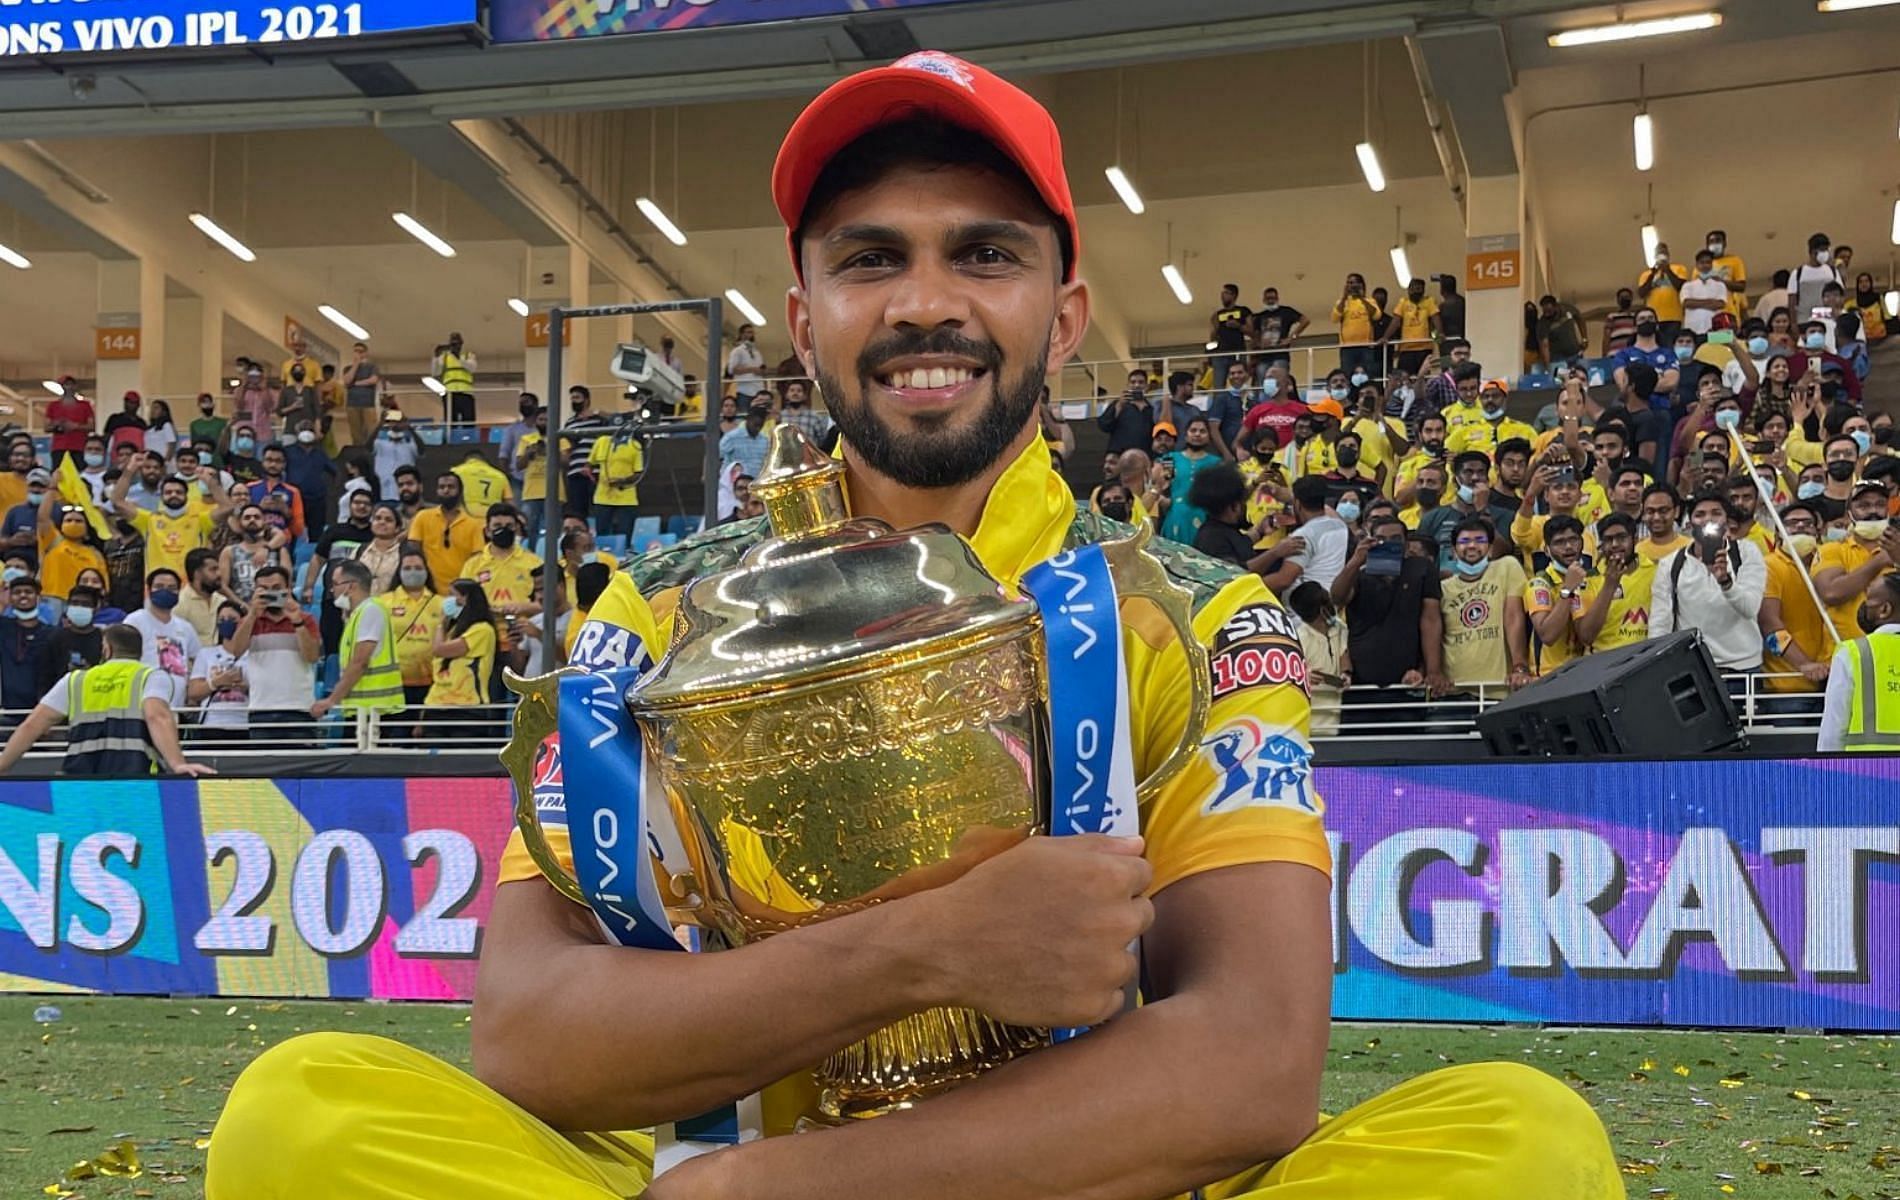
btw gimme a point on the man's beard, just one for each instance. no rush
(936, 457)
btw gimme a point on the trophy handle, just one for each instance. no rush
(535, 718)
(1138, 573)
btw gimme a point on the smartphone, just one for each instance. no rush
(1721, 337)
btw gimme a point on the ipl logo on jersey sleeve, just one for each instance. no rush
(1259, 766)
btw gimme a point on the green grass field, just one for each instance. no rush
(1691, 1114)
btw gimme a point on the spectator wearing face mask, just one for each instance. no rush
(1114, 501)
(1619, 324)
(1486, 632)
(1323, 645)
(1703, 295)
(19, 530)
(1557, 485)
(1798, 644)
(171, 644)
(370, 680)
(70, 548)
(220, 683)
(464, 648)
(298, 402)
(1815, 361)
(77, 642)
(1659, 287)
(1860, 711)
(504, 572)
(240, 459)
(282, 644)
(1269, 422)
(1357, 315)
(528, 404)
(1843, 570)
(309, 468)
(415, 612)
(1840, 457)
(448, 535)
(1808, 279)
(1493, 427)
(1416, 327)
(23, 641)
(173, 531)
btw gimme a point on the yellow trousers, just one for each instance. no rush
(334, 1115)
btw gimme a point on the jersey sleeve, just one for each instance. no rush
(1248, 793)
(620, 631)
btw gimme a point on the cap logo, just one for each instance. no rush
(938, 63)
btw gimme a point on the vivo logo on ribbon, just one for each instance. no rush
(1063, 565)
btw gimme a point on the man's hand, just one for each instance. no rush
(1437, 684)
(1412, 678)
(1890, 544)
(1815, 671)
(1039, 935)
(1719, 569)
(292, 609)
(1574, 577)
(181, 767)
(321, 707)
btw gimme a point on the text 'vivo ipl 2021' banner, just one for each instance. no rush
(554, 20)
(1717, 892)
(31, 28)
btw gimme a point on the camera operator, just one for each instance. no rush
(1714, 584)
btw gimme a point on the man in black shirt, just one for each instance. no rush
(581, 431)
(1129, 421)
(1275, 325)
(1451, 309)
(1395, 632)
(77, 643)
(340, 541)
(23, 638)
(1221, 493)
(1227, 335)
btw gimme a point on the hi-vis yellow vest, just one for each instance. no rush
(381, 684)
(1873, 716)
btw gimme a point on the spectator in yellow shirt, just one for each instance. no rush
(1355, 314)
(483, 483)
(1616, 598)
(1730, 270)
(1467, 383)
(504, 571)
(1799, 646)
(618, 462)
(1661, 511)
(414, 613)
(1842, 570)
(1558, 485)
(1553, 599)
(1416, 328)
(446, 532)
(1495, 427)
(1660, 288)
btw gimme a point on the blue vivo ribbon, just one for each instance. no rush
(1092, 769)
(604, 766)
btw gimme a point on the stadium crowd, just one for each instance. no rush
(1441, 541)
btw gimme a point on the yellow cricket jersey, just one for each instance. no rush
(1628, 618)
(413, 618)
(1483, 436)
(1458, 413)
(482, 484)
(505, 578)
(1246, 797)
(616, 458)
(1376, 440)
(1542, 594)
(534, 472)
(169, 539)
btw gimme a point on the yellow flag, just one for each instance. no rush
(73, 490)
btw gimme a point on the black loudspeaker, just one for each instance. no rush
(1660, 699)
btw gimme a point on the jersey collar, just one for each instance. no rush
(1027, 516)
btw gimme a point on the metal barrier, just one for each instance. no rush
(1398, 713)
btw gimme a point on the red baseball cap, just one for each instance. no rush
(941, 85)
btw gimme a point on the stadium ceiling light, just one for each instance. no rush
(1172, 274)
(519, 305)
(661, 221)
(1643, 129)
(216, 233)
(1369, 163)
(745, 306)
(1893, 303)
(434, 385)
(1125, 188)
(1651, 239)
(1896, 222)
(1851, 5)
(52, 385)
(422, 233)
(342, 322)
(1622, 31)
(14, 258)
(1401, 266)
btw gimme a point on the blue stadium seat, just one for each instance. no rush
(612, 543)
(465, 435)
(645, 527)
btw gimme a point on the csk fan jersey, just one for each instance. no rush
(1248, 796)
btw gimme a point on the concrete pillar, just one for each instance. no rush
(559, 275)
(1494, 274)
(131, 325)
(194, 347)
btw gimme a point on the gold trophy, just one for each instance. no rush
(851, 715)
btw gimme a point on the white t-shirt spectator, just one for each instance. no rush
(1699, 319)
(1327, 540)
(224, 708)
(744, 364)
(1726, 616)
(157, 687)
(171, 646)
(1805, 283)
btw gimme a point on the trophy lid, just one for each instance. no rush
(827, 595)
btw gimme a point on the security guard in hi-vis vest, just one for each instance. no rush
(119, 717)
(1862, 711)
(935, 247)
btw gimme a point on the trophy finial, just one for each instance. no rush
(801, 486)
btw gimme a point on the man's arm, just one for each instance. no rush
(352, 671)
(30, 731)
(1667, 380)
(1838, 586)
(1590, 624)
(1744, 593)
(117, 499)
(1231, 1052)
(1431, 645)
